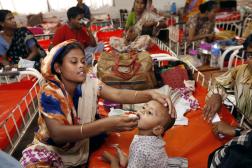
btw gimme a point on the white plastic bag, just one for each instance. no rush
(24, 63)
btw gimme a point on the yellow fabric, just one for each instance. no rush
(225, 35)
(239, 79)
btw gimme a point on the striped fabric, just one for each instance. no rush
(244, 140)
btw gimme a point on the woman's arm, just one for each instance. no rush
(91, 37)
(132, 97)
(5, 60)
(34, 52)
(192, 37)
(131, 20)
(72, 133)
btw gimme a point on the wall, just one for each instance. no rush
(162, 5)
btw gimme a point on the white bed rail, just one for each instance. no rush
(200, 77)
(31, 108)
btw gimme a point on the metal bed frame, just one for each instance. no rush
(32, 109)
(200, 77)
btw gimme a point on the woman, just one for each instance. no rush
(17, 42)
(201, 26)
(191, 8)
(64, 133)
(143, 19)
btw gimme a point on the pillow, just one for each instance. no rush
(175, 76)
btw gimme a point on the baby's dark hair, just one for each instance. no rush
(169, 124)
(207, 6)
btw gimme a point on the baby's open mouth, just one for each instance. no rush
(134, 116)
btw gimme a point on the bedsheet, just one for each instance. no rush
(194, 142)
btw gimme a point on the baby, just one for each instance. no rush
(148, 148)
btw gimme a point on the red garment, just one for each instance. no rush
(64, 33)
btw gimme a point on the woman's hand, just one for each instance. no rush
(165, 100)
(223, 128)
(149, 23)
(122, 123)
(212, 106)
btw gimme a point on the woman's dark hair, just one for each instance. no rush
(207, 6)
(73, 12)
(145, 4)
(247, 42)
(3, 14)
(63, 52)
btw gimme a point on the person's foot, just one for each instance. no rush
(108, 157)
(123, 158)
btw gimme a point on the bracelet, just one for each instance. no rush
(238, 131)
(135, 95)
(81, 129)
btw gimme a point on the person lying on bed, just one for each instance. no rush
(16, 43)
(240, 79)
(77, 30)
(148, 147)
(68, 106)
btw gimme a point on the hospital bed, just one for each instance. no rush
(179, 140)
(18, 105)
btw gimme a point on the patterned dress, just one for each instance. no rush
(149, 152)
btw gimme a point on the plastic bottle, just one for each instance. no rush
(215, 54)
(173, 9)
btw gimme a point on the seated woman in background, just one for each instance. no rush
(67, 109)
(201, 26)
(143, 19)
(17, 42)
(191, 8)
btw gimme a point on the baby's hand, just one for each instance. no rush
(131, 34)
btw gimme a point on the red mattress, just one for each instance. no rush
(194, 142)
(105, 35)
(10, 96)
(227, 16)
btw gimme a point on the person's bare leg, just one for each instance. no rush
(114, 162)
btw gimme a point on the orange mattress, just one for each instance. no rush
(10, 96)
(194, 142)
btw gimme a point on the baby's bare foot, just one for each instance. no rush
(108, 157)
(123, 158)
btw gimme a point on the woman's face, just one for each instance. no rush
(73, 68)
(211, 15)
(139, 6)
(9, 22)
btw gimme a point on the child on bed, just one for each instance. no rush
(147, 149)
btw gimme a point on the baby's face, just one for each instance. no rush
(151, 115)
